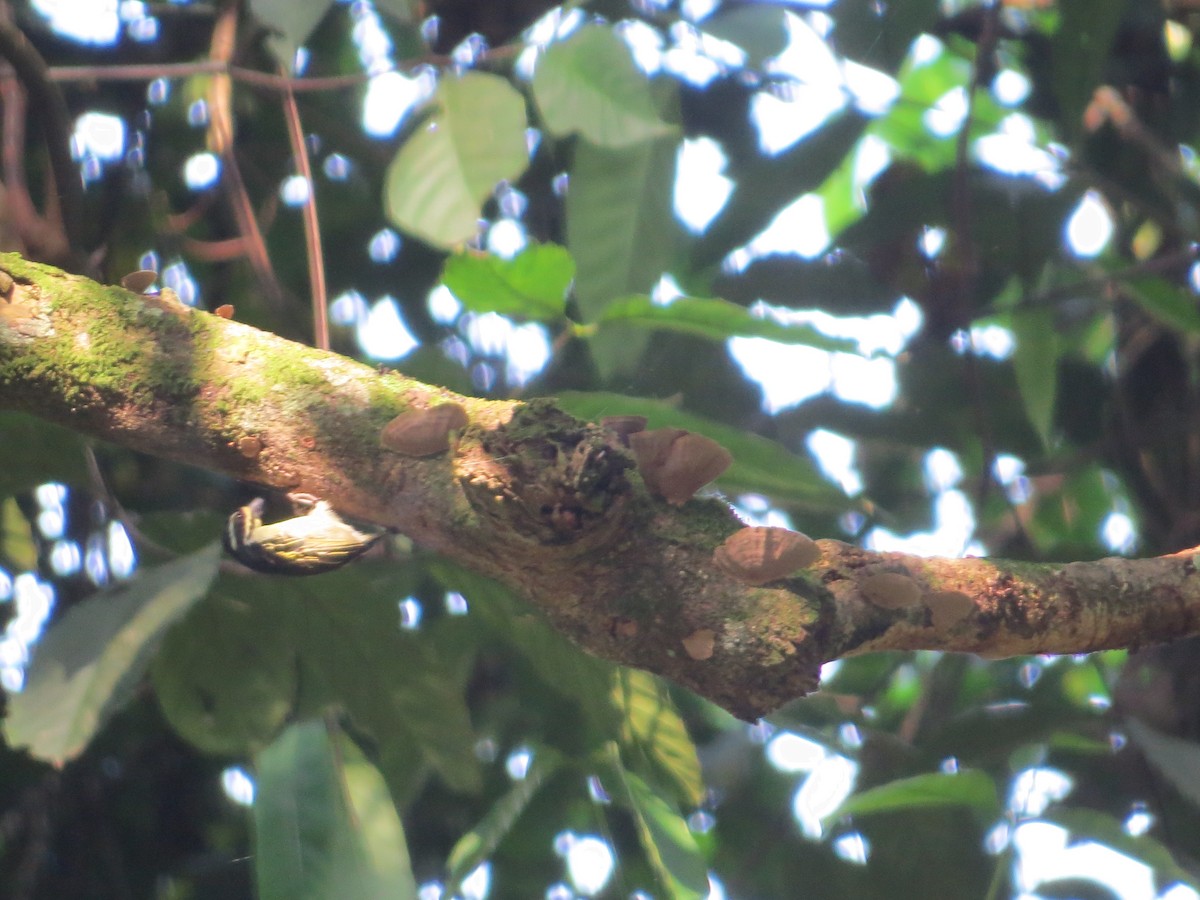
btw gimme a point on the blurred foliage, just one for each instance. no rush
(406, 745)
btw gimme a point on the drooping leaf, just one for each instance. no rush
(588, 84)
(1080, 51)
(324, 824)
(759, 29)
(759, 465)
(290, 24)
(1167, 302)
(533, 284)
(481, 841)
(1035, 360)
(475, 138)
(226, 678)
(973, 789)
(16, 537)
(715, 319)
(653, 733)
(622, 233)
(86, 665)
(677, 863)
(1176, 759)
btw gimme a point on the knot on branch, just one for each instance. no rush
(563, 479)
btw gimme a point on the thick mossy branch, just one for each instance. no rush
(544, 503)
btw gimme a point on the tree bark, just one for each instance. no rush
(547, 505)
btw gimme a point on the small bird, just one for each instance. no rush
(318, 541)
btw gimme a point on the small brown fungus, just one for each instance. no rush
(761, 554)
(423, 432)
(249, 446)
(891, 590)
(225, 311)
(140, 280)
(700, 643)
(624, 426)
(675, 463)
(948, 608)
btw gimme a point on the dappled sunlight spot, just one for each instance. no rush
(931, 241)
(197, 113)
(825, 789)
(755, 509)
(348, 308)
(799, 228)
(788, 374)
(701, 822)
(1009, 472)
(954, 523)
(716, 890)
(1044, 854)
(410, 613)
(201, 171)
(781, 121)
(158, 91)
(295, 190)
(122, 560)
(84, 21)
(849, 735)
(807, 56)
(487, 333)
(789, 752)
(65, 558)
(369, 37)
(1118, 532)
(1139, 821)
(1013, 150)
(942, 470)
(666, 291)
(871, 158)
(871, 382)
(1032, 790)
(506, 238)
(853, 848)
(391, 97)
(596, 791)
(873, 91)
(337, 167)
(1179, 892)
(644, 41)
(695, 10)
(589, 861)
(443, 306)
(384, 245)
(476, 885)
(701, 190)
(383, 334)
(528, 353)
(686, 57)
(238, 786)
(1090, 226)
(925, 50)
(995, 341)
(95, 559)
(178, 278)
(835, 456)
(946, 116)
(33, 601)
(517, 763)
(456, 604)
(1010, 88)
(99, 135)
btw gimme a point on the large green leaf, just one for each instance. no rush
(1171, 304)
(17, 546)
(715, 319)
(481, 841)
(475, 138)
(324, 824)
(533, 284)
(86, 665)
(291, 24)
(759, 465)
(589, 85)
(226, 678)
(622, 233)
(973, 789)
(653, 734)
(677, 863)
(759, 29)
(1035, 360)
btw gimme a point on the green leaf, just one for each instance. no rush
(653, 732)
(678, 865)
(973, 789)
(1089, 824)
(16, 537)
(438, 182)
(291, 25)
(622, 233)
(86, 665)
(533, 284)
(760, 30)
(1172, 305)
(1080, 52)
(324, 824)
(1035, 361)
(481, 841)
(588, 84)
(1176, 759)
(759, 465)
(716, 319)
(225, 679)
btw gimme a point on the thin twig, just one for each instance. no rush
(312, 224)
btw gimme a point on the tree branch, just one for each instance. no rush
(548, 505)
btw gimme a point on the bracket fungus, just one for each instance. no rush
(948, 608)
(764, 553)
(675, 463)
(624, 426)
(139, 282)
(700, 643)
(423, 432)
(891, 590)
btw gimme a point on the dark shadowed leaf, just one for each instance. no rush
(290, 25)
(653, 736)
(86, 664)
(759, 29)
(1035, 360)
